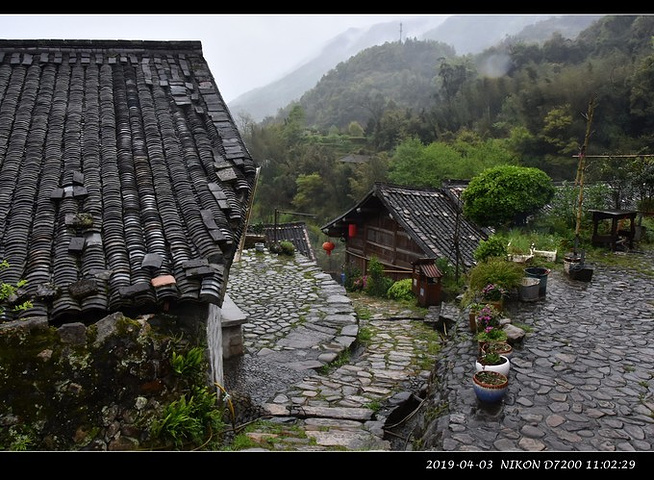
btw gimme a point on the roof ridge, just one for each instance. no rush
(102, 44)
(395, 186)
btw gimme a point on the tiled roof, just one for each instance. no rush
(429, 217)
(295, 232)
(123, 178)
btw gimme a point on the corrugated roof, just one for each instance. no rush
(123, 178)
(429, 270)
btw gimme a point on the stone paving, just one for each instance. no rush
(300, 321)
(581, 380)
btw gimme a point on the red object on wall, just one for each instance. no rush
(328, 247)
(352, 230)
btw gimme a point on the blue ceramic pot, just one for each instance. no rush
(487, 391)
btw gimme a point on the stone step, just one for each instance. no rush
(359, 414)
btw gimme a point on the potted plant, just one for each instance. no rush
(491, 334)
(487, 316)
(497, 271)
(493, 362)
(501, 348)
(490, 386)
(494, 294)
(488, 326)
(520, 249)
(489, 330)
(255, 234)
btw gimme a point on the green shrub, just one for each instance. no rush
(401, 290)
(287, 248)
(377, 284)
(499, 271)
(506, 195)
(196, 414)
(190, 366)
(493, 247)
(189, 420)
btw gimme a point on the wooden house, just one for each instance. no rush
(401, 225)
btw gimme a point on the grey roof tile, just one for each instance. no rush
(428, 215)
(106, 165)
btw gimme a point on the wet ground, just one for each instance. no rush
(582, 380)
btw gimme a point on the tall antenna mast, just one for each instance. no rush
(400, 32)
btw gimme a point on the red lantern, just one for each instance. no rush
(352, 230)
(328, 247)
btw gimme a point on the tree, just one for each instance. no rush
(506, 195)
(354, 129)
(428, 165)
(365, 175)
(422, 166)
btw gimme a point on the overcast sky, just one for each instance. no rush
(244, 51)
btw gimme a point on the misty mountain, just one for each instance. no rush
(467, 34)
(266, 101)
(471, 34)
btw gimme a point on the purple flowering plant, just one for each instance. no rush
(488, 317)
(488, 325)
(360, 283)
(493, 293)
(492, 334)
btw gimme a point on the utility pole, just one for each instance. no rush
(400, 32)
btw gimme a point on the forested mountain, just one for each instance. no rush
(265, 101)
(568, 26)
(410, 74)
(422, 114)
(360, 89)
(466, 34)
(471, 34)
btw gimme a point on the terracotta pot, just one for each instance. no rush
(473, 321)
(503, 348)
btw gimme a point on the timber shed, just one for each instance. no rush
(400, 225)
(124, 183)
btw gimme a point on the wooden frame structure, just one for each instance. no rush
(616, 233)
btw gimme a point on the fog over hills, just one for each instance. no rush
(467, 34)
(267, 100)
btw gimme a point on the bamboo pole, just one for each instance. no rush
(241, 243)
(579, 180)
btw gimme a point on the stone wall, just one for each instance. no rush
(96, 387)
